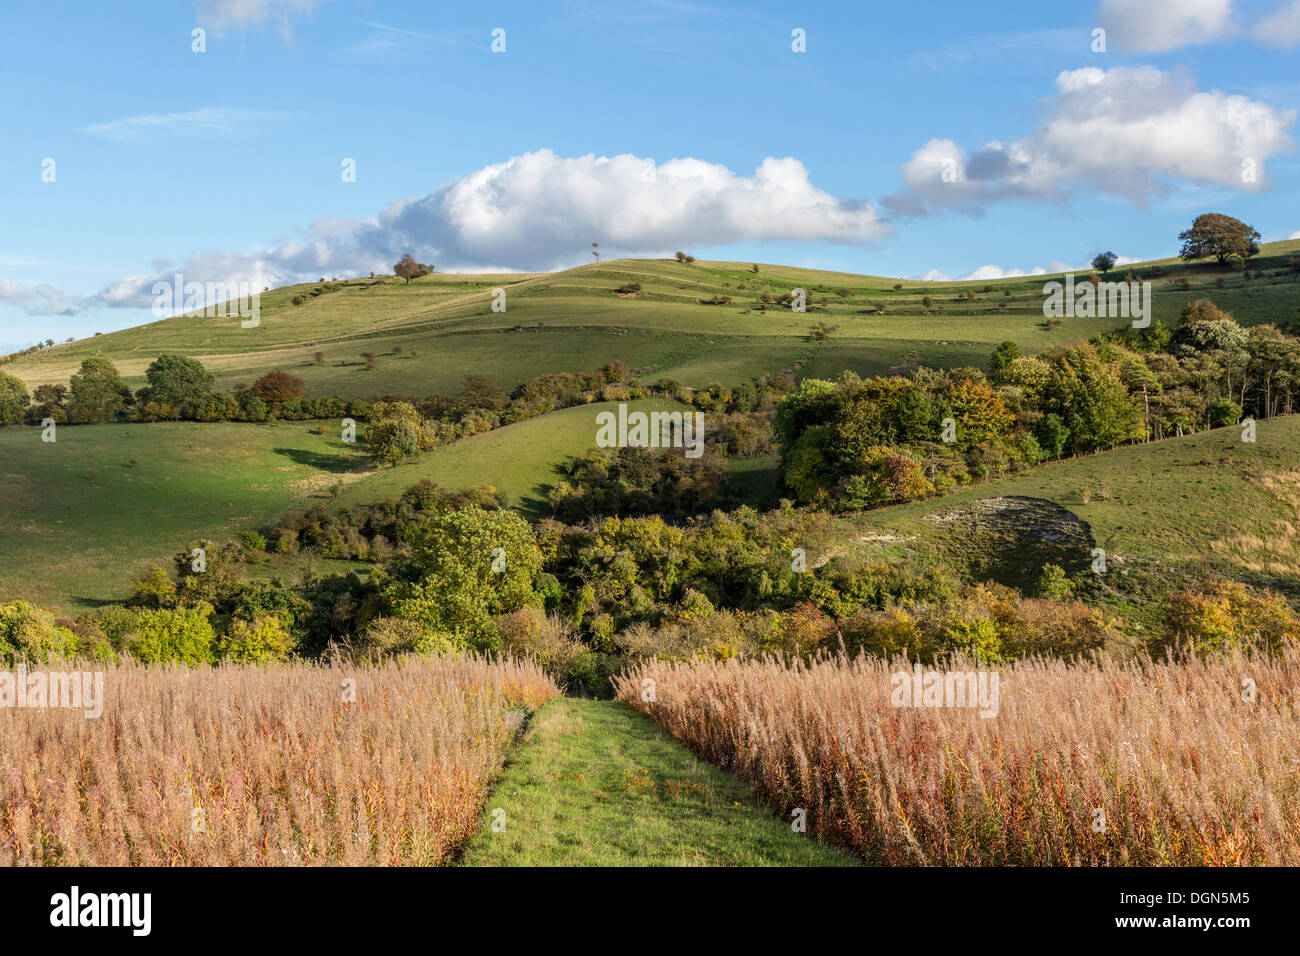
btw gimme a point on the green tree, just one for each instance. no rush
(1092, 400)
(1052, 435)
(1223, 411)
(13, 399)
(96, 392)
(1003, 356)
(466, 566)
(1103, 262)
(177, 380)
(393, 433)
(1053, 583)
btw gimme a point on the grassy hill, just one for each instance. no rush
(1166, 513)
(519, 459)
(444, 325)
(82, 515)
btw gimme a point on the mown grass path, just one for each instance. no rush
(594, 784)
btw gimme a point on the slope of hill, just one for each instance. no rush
(428, 334)
(81, 516)
(1166, 513)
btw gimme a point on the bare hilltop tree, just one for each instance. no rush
(409, 269)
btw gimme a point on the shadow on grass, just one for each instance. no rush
(99, 602)
(322, 461)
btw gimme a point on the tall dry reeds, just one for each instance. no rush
(1137, 763)
(260, 766)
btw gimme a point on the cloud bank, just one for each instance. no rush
(1129, 131)
(538, 212)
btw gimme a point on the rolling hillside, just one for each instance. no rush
(444, 326)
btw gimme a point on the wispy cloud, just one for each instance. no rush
(644, 11)
(1281, 28)
(386, 41)
(1022, 45)
(242, 14)
(38, 299)
(208, 121)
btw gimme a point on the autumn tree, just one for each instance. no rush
(409, 269)
(277, 387)
(480, 392)
(1220, 236)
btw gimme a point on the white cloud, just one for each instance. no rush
(988, 272)
(36, 300)
(1158, 26)
(1127, 131)
(242, 14)
(1294, 235)
(540, 211)
(1281, 27)
(996, 272)
(208, 121)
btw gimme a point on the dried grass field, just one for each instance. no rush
(1141, 763)
(263, 766)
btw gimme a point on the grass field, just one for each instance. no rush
(594, 784)
(80, 515)
(519, 459)
(79, 519)
(573, 320)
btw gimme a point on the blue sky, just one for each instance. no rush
(907, 138)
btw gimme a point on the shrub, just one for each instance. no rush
(1053, 583)
(1223, 411)
(1223, 616)
(252, 541)
(388, 636)
(115, 622)
(152, 588)
(29, 634)
(530, 634)
(259, 640)
(181, 635)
